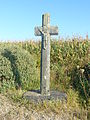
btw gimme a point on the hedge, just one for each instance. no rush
(17, 68)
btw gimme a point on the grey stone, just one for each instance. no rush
(45, 31)
(36, 97)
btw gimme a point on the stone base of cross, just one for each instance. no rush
(45, 31)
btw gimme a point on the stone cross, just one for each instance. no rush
(45, 31)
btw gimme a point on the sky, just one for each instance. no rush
(19, 17)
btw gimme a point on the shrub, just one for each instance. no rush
(17, 68)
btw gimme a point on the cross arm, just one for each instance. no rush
(53, 30)
(38, 31)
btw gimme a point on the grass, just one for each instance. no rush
(66, 56)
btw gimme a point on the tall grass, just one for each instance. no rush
(70, 64)
(68, 59)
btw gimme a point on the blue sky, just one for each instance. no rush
(19, 17)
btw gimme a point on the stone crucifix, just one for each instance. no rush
(45, 31)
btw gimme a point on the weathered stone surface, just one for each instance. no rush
(45, 31)
(36, 97)
(53, 30)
